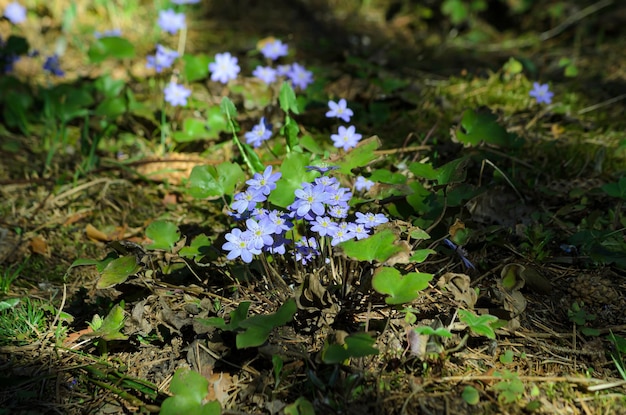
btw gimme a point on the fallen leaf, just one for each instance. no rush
(219, 385)
(39, 246)
(459, 286)
(96, 235)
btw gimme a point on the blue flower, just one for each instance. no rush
(346, 138)
(321, 169)
(279, 220)
(371, 220)
(185, 1)
(246, 201)
(53, 66)
(338, 211)
(306, 250)
(342, 234)
(107, 33)
(541, 92)
(339, 197)
(176, 94)
(260, 133)
(266, 74)
(363, 184)
(261, 233)
(299, 76)
(274, 50)
(264, 182)
(323, 225)
(170, 21)
(239, 245)
(162, 59)
(461, 252)
(359, 230)
(309, 199)
(15, 12)
(339, 110)
(224, 68)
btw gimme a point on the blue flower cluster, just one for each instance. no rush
(320, 206)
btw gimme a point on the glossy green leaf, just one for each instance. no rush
(420, 255)
(236, 316)
(483, 127)
(480, 325)
(294, 173)
(399, 288)
(290, 130)
(386, 176)
(258, 328)
(163, 234)
(198, 248)
(287, 99)
(360, 156)
(109, 327)
(210, 181)
(118, 270)
(356, 345)
(378, 247)
(190, 390)
(196, 67)
(111, 47)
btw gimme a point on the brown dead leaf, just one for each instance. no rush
(39, 246)
(169, 199)
(459, 286)
(219, 385)
(458, 225)
(96, 235)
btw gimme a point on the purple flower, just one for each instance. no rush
(339, 197)
(323, 226)
(185, 1)
(339, 110)
(170, 21)
(261, 233)
(363, 184)
(274, 50)
(224, 68)
(328, 181)
(541, 92)
(342, 234)
(176, 94)
(321, 169)
(306, 250)
(283, 70)
(338, 211)
(461, 252)
(371, 220)
(309, 199)
(266, 74)
(15, 12)
(346, 138)
(107, 33)
(53, 66)
(260, 132)
(246, 201)
(299, 76)
(239, 245)
(264, 182)
(163, 58)
(358, 230)
(279, 220)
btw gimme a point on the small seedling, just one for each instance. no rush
(580, 317)
(510, 388)
(480, 325)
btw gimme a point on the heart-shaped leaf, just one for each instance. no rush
(356, 345)
(400, 288)
(163, 234)
(259, 327)
(379, 247)
(189, 389)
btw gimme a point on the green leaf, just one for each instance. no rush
(386, 176)
(420, 255)
(118, 270)
(9, 303)
(163, 234)
(356, 345)
(470, 395)
(236, 316)
(190, 390)
(198, 248)
(423, 170)
(294, 173)
(290, 130)
(193, 129)
(15, 45)
(287, 99)
(228, 109)
(111, 47)
(480, 325)
(360, 156)
(301, 406)
(111, 107)
(401, 289)
(452, 172)
(258, 327)
(196, 67)
(210, 181)
(429, 331)
(378, 247)
(616, 189)
(109, 328)
(483, 127)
